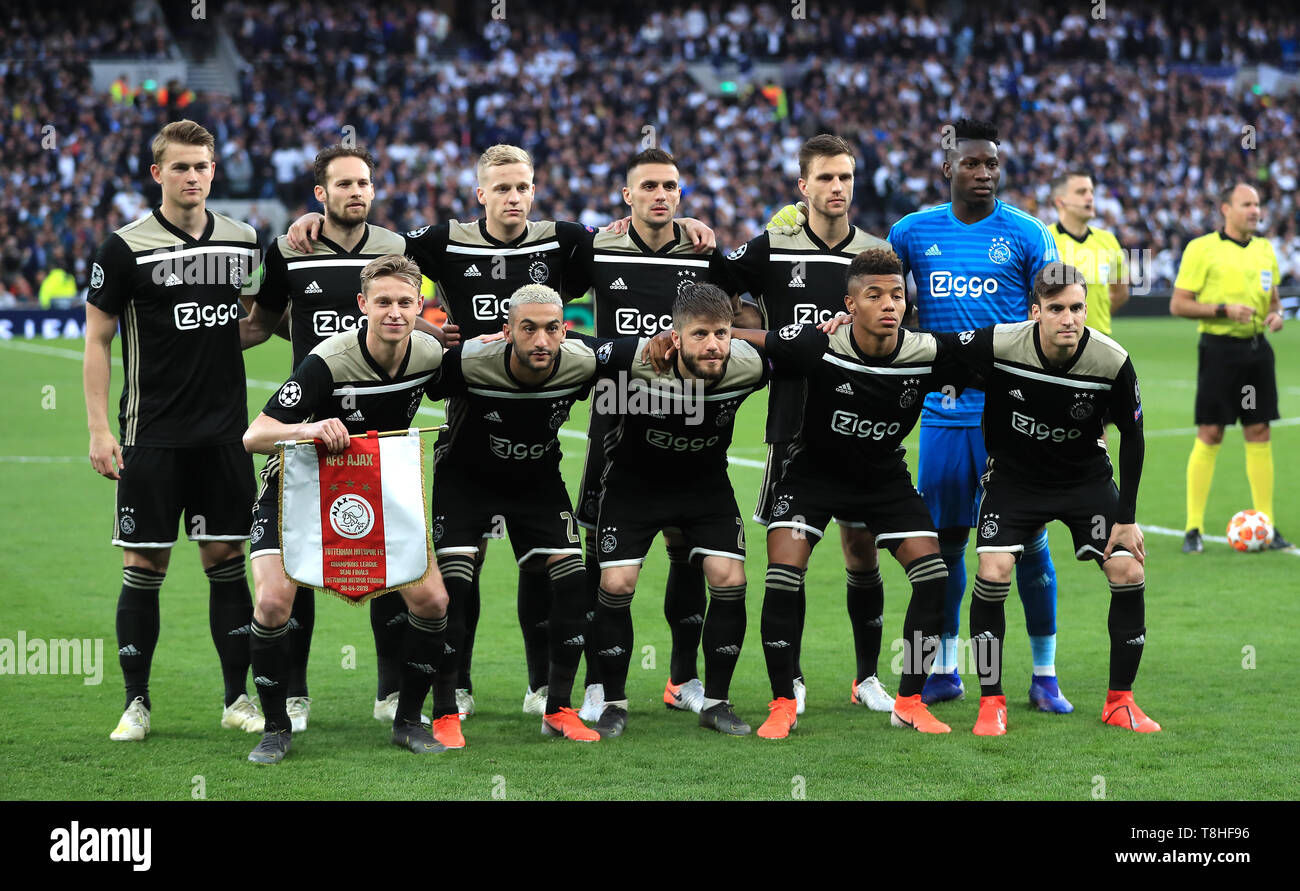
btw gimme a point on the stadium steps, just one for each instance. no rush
(215, 68)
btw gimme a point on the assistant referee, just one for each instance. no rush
(1228, 280)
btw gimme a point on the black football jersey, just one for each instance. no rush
(320, 289)
(859, 408)
(1043, 423)
(477, 273)
(669, 427)
(177, 299)
(795, 280)
(499, 427)
(633, 287)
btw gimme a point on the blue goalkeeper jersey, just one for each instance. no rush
(968, 277)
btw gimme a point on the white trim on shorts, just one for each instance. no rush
(143, 545)
(1007, 549)
(1079, 554)
(466, 550)
(219, 537)
(922, 533)
(536, 551)
(637, 562)
(708, 553)
(791, 524)
(266, 553)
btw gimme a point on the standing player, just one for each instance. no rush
(1228, 280)
(377, 372)
(635, 276)
(865, 385)
(1051, 383)
(1094, 252)
(796, 275)
(666, 468)
(317, 293)
(500, 463)
(173, 280)
(974, 260)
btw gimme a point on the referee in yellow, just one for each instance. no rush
(1228, 280)
(1094, 252)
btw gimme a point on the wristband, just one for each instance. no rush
(1221, 311)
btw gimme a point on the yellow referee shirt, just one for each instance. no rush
(1220, 270)
(1099, 257)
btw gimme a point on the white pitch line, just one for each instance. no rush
(43, 459)
(1219, 539)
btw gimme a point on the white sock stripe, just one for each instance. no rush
(927, 568)
(993, 592)
(867, 578)
(728, 592)
(1127, 589)
(229, 574)
(431, 626)
(565, 567)
(613, 601)
(145, 580)
(269, 633)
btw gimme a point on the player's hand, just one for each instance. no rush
(1130, 537)
(789, 219)
(491, 338)
(1239, 312)
(332, 432)
(618, 227)
(104, 451)
(1274, 321)
(448, 335)
(659, 352)
(830, 326)
(304, 231)
(700, 234)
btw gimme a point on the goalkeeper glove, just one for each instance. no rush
(789, 219)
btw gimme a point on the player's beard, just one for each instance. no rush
(345, 223)
(693, 366)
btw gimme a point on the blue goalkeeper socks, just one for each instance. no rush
(954, 557)
(1036, 582)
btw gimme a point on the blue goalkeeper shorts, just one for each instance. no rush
(952, 460)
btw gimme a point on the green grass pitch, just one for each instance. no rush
(1219, 659)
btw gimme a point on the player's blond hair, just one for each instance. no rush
(534, 294)
(390, 265)
(500, 155)
(183, 132)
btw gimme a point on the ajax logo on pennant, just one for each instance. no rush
(351, 516)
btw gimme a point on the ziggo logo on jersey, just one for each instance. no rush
(945, 284)
(189, 316)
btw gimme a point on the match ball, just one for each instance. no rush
(1250, 530)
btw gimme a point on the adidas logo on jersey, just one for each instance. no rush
(355, 416)
(933, 251)
(172, 280)
(796, 282)
(493, 416)
(473, 272)
(1016, 393)
(313, 288)
(618, 285)
(844, 388)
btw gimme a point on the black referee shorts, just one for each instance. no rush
(211, 486)
(1235, 378)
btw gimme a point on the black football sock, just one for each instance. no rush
(422, 649)
(534, 605)
(612, 633)
(865, 596)
(473, 606)
(568, 628)
(387, 624)
(724, 634)
(780, 626)
(988, 628)
(137, 628)
(1128, 634)
(458, 575)
(684, 606)
(269, 649)
(230, 612)
(802, 606)
(924, 621)
(302, 622)
(592, 561)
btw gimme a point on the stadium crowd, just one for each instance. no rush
(1141, 97)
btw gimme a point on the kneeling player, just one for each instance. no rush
(1051, 382)
(666, 468)
(376, 372)
(865, 387)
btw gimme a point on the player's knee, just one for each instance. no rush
(619, 580)
(155, 559)
(213, 552)
(724, 572)
(1253, 432)
(859, 547)
(1124, 570)
(426, 600)
(997, 567)
(1210, 434)
(274, 601)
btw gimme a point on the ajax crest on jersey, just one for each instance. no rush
(988, 528)
(999, 250)
(538, 271)
(1250, 530)
(1081, 410)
